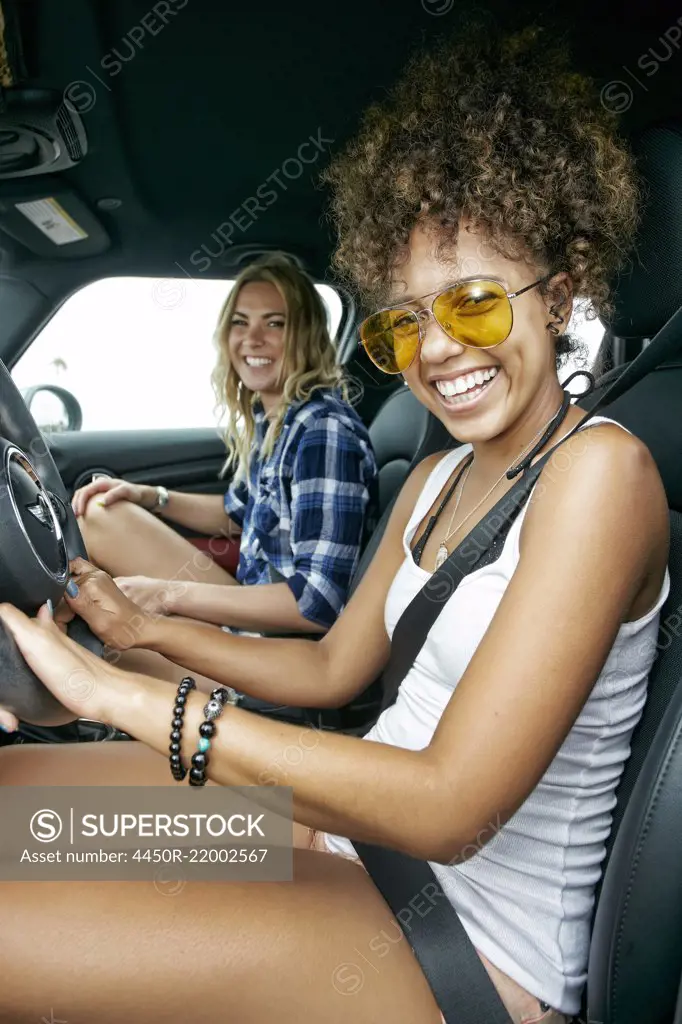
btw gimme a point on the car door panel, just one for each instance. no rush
(182, 460)
(179, 457)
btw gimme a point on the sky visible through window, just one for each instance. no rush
(137, 353)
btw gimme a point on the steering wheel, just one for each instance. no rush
(39, 535)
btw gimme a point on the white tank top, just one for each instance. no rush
(525, 899)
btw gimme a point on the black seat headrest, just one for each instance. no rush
(394, 430)
(649, 290)
(397, 432)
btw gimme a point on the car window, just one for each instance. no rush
(135, 353)
(590, 334)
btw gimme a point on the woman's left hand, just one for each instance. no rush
(115, 619)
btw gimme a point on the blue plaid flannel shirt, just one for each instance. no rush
(302, 510)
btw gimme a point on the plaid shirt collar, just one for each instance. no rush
(302, 509)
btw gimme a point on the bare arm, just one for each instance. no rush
(603, 520)
(268, 607)
(204, 513)
(594, 549)
(302, 672)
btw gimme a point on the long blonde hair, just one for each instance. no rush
(309, 362)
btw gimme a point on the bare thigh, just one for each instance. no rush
(126, 540)
(227, 952)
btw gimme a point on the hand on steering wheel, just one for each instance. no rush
(75, 677)
(40, 537)
(113, 617)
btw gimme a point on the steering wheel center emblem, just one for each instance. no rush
(41, 511)
(35, 514)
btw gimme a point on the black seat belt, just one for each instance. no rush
(458, 979)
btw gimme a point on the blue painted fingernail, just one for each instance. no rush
(50, 607)
(72, 589)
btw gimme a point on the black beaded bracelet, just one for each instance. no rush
(221, 696)
(177, 770)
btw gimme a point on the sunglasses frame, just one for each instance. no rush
(427, 311)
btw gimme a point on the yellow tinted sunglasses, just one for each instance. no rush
(476, 313)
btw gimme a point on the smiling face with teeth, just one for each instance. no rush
(479, 394)
(256, 339)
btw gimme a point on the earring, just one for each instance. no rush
(553, 328)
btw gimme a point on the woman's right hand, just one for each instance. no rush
(111, 491)
(79, 680)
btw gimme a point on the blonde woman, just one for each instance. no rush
(302, 467)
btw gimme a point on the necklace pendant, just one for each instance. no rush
(441, 556)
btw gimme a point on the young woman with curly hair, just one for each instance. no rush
(477, 199)
(302, 465)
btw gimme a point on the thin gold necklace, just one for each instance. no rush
(442, 554)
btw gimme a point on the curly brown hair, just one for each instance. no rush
(498, 129)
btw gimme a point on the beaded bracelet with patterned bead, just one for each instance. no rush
(221, 696)
(177, 770)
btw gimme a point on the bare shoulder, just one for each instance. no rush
(601, 463)
(600, 496)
